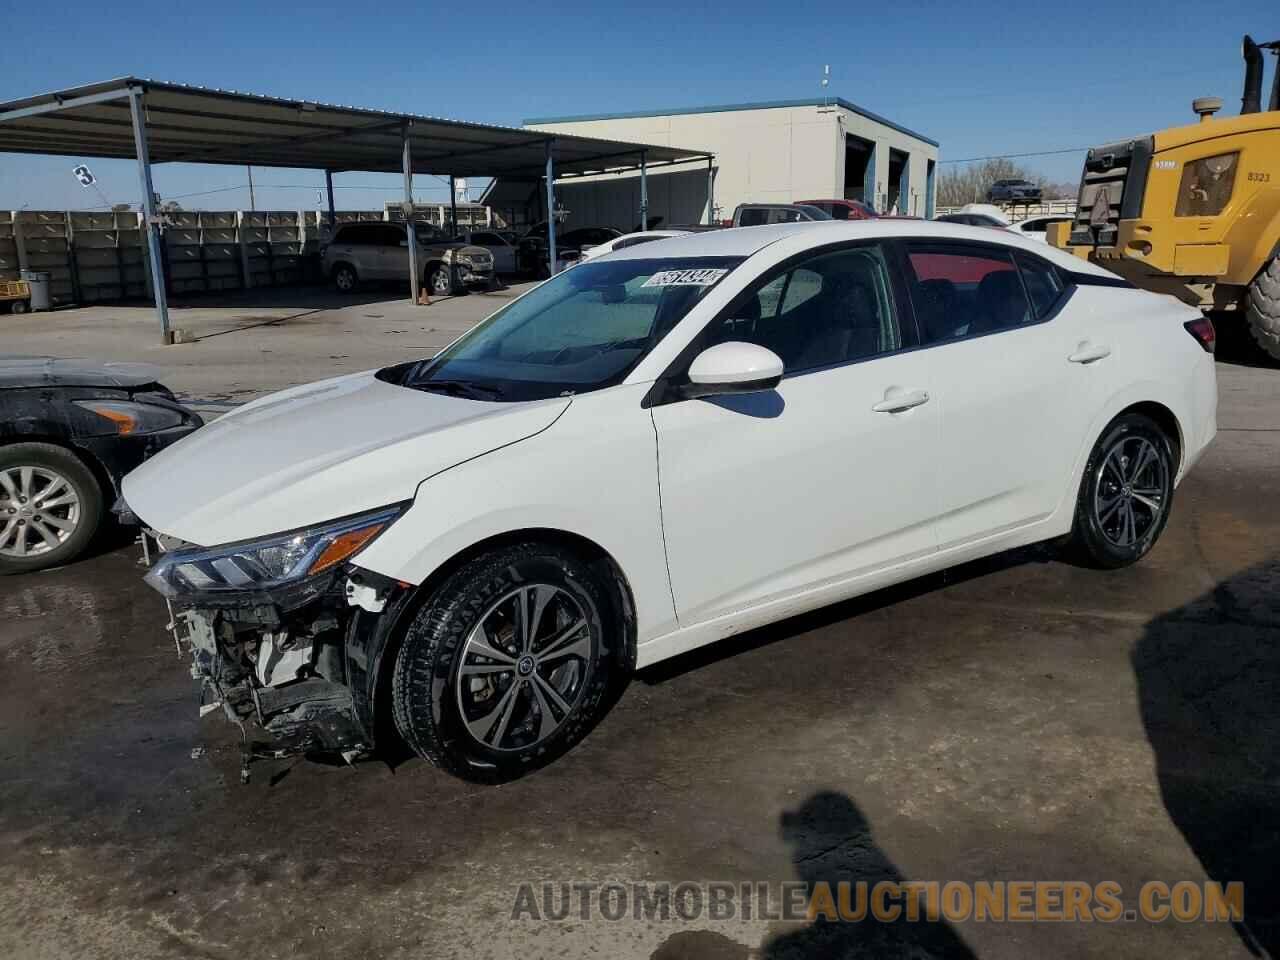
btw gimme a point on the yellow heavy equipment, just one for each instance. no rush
(1194, 211)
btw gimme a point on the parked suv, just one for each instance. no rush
(759, 214)
(1014, 190)
(361, 252)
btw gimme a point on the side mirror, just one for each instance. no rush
(733, 367)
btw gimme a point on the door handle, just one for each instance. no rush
(901, 401)
(1088, 352)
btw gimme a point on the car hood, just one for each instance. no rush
(18, 371)
(318, 452)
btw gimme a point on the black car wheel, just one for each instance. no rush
(345, 279)
(1125, 493)
(507, 666)
(50, 507)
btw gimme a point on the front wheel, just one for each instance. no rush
(1264, 309)
(507, 666)
(440, 280)
(50, 507)
(1126, 492)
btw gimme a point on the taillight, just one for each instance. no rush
(1202, 330)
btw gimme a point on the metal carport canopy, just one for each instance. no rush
(159, 122)
(199, 125)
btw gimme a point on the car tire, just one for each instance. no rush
(27, 472)
(1126, 493)
(440, 280)
(19, 306)
(1264, 309)
(345, 279)
(493, 717)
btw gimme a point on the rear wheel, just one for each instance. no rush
(507, 666)
(50, 507)
(19, 306)
(1264, 309)
(1125, 493)
(345, 279)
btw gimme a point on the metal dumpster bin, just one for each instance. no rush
(39, 284)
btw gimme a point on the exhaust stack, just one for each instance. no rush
(1251, 101)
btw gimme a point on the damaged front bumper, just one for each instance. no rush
(294, 670)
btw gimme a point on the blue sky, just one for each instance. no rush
(980, 77)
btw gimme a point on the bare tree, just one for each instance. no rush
(969, 183)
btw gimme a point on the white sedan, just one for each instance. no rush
(654, 451)
(627, 240)
(1036, 228)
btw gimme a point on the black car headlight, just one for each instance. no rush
(129, 419)
(283, 560)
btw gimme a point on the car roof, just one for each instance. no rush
(745, 241)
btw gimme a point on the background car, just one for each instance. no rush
(481, 545)
(759, 214)
(532, 250)
(973, 220)
(69, 431)
(627, 240)
(500, 248)
(372, 251)
(1014, 189)
(1033, 228)
(842, 209)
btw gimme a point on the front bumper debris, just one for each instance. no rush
(278, 674)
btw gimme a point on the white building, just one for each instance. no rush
(778, 152)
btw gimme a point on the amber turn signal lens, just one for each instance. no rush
(343, 546)
(125, 424)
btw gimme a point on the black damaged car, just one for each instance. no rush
(69, 432)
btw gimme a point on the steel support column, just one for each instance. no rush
(410, 229)
(644, 192)
(551, 209)
(149, 212)
(711, 191)
(453, 203)
(328, 187)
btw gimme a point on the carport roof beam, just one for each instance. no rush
(197, 124)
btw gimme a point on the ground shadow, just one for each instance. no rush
(1208, 678)
(1236, 345)
(831, 844)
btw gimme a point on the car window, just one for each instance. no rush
(487, 240)
(753, 217)
(961, 291)
(388, 235)
(579, 331)
(1043, 282)
(833, 308)
(358, 235)
(784, 215)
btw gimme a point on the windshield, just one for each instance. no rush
(582, 330)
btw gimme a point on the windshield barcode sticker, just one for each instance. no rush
(685, 278)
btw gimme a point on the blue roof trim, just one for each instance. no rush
(728, 107)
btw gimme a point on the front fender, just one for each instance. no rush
(554, 481)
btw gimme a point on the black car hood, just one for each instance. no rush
(19, 371)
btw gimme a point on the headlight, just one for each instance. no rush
(299, 557)
(128, 418)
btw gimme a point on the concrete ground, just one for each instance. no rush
(1017, 719)
(256, 341)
